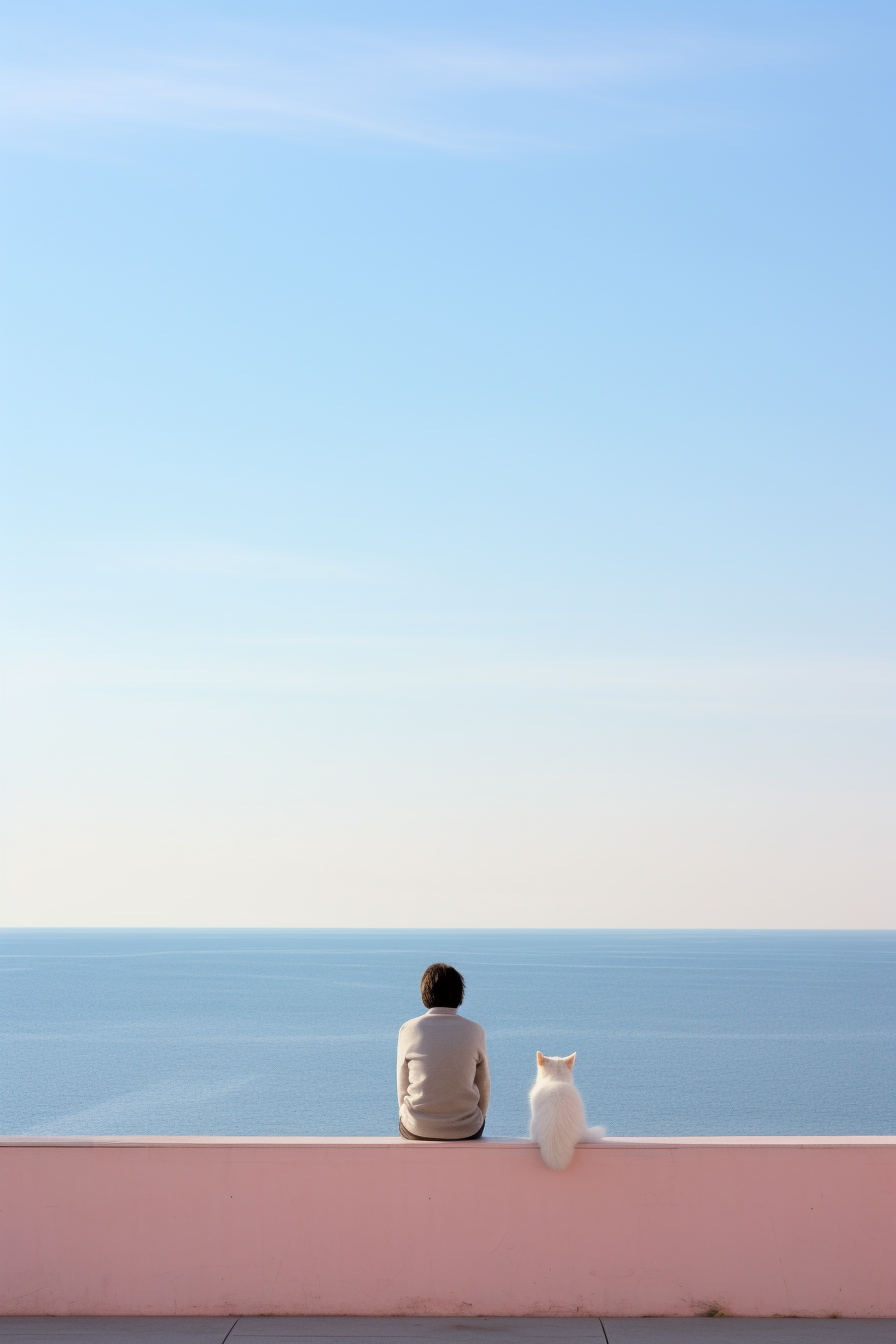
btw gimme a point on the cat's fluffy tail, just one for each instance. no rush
(595, 1134)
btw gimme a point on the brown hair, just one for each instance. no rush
(442, 986)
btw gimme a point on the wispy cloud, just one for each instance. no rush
(437, 92)
(208, 559)
(363, 666)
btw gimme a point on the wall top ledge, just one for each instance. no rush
(258, 1141)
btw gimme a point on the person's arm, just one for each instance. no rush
(403, 1078)
(482, 1079)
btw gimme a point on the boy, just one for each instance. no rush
(443, 1082)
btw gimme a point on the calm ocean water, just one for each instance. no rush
(293, 1032)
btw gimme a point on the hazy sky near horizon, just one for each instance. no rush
(447, 464)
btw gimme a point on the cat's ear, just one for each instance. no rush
(539, 1058)
(570, 1060)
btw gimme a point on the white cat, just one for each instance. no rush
(558, 1112)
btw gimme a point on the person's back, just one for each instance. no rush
(443, 1079)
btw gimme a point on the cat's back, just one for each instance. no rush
(558, 1120)
(551, 1095)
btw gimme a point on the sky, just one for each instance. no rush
(447, 464)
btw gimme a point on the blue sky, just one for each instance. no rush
(448, 464)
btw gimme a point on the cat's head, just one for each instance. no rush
(554, 1066)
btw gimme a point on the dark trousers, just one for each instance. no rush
(406, 1134)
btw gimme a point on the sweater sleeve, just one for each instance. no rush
(482, 1079)
(403, 1078)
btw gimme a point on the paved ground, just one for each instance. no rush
(438, 1330)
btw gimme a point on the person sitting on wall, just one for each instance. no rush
(443, 1082)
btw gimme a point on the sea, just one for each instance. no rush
(293, 1031)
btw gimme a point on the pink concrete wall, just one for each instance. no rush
(383, 1227)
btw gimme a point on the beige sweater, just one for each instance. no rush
(443, 1083)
